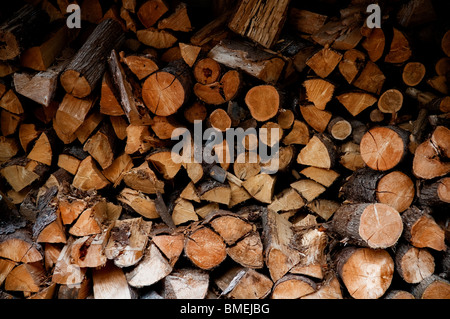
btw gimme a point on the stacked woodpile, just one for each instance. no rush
(93, 205)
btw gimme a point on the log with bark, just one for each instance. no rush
(337, 188)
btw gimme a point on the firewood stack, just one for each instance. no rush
(94, 206)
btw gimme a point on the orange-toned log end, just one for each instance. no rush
(220, 120)
(163, 93)
(263, 102)
(397, 190)
(445, 43)
(413, 73)
(382, 148)
(380, 226)
(206, 71)
(205, 248)
(366, 273)
(76, 84)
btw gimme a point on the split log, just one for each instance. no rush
(248, 252)
(422, 231)
(356, 102)
(151, 269)
(207, 71)
(19, 247)
(299, 133)
(370, 79)
(109, 282)
(186, 284)
(245, 284)
(88, 251)
(90, 220)
(366, 273)
(229, 226)
(129, 100)
(170, 245)
(189, 53)
(319, 152)
(219, 92)
(178, 21)
(261, 22)
(399, 50)
(205, 248)
(127, 241)
(289, 199)
(22, 172)
(158, 39)
(316, 118)
(260, 187)
(413, 264)
(278, 254)
(355, 223)
(85, 70)
(293, 287)
(319, 92)
(88, 176)
(351, 64)
(309, 189)
(66, 272)
(249, 59)
(26, 277)
(141, 65)
(166, 90)
(143, 179)
(306, 21)
(324, 61)
(150, 11)
(11, 103)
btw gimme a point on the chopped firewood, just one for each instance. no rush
(139, 202)
(366, 273)
(279, 256)
(247, 284)
(219, 92)
(427, 162)
(309, 189)
(11, 103)
(324, 61)
(90, 221)
(229, 226)
(339, 128)
(127, 241)
(299, 134)
(356, 102)
(166, 90)
(351, 64)
(19, 247)
(319, 152)
(189, 53)
(141, 65)
(205, 248)
(152, 268)
(207, 71)
(306, 21)
(260, 21)
(317, 119)
(293, 287)
(25, 277)
(164, 164)
(248, 252)
(66, 272)
(375, 150)
(288, 199)
(260, 187)
(433, 287)
(114, 172)
(89, 176)
(170, 245)
(150, 12)
(159, 39)
(319, 92)
(398, 294)
(177, 21)
(183, 212)
(413, 264)
(395, 188)
(422, 231)
(435, 194)
(88, 251)
(22, 172)
(86, 68)
(399, 50)
(8, 148)
(413, 73)
(354, 222)
(248, 58)
(186, 284)
(213, 191)
(390, 101)
(325, 208)
(263, 102)
(143, 179)
(109, 282)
